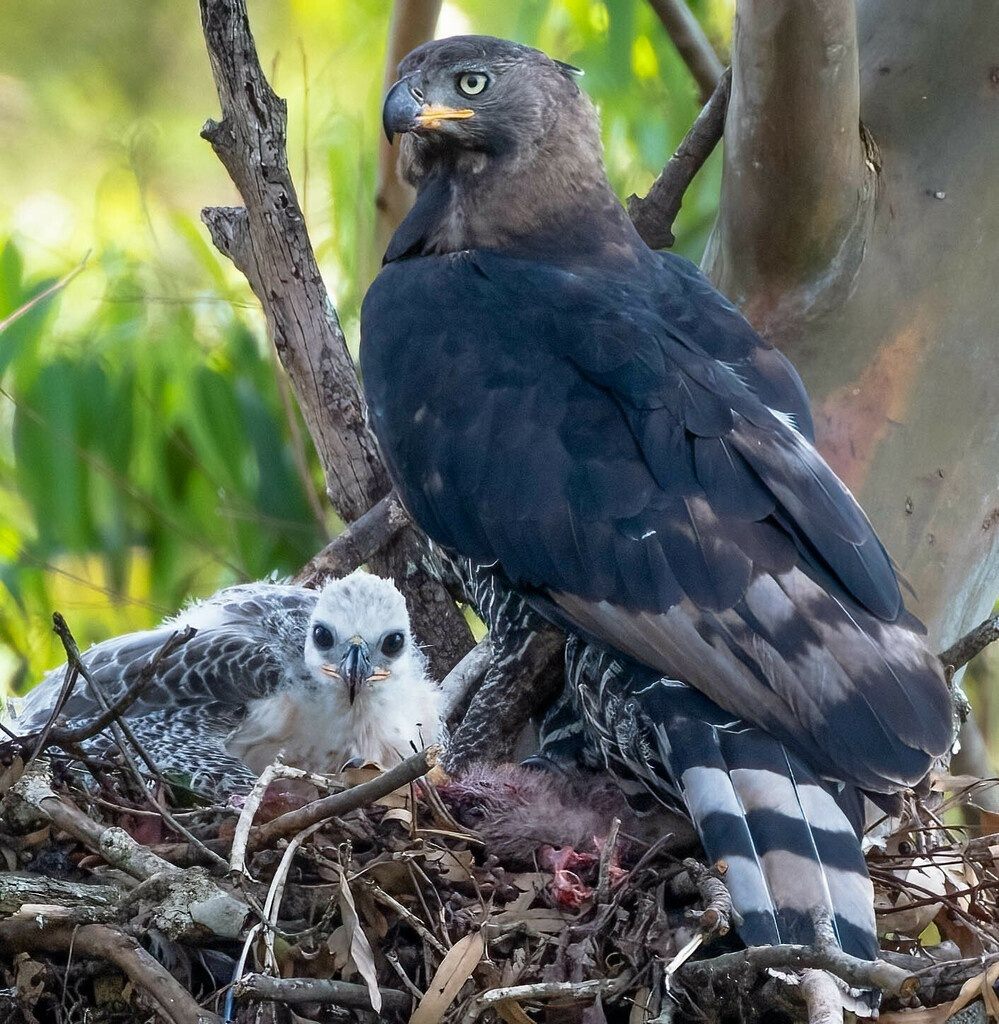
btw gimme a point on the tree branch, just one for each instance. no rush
(317, 990)
(365, 536)
(960, 653)
(691, 43)
(268, 241)
(103, 942)
(654, 215)
(340, 803)
(702, 974)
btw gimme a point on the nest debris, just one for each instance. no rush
(301, 906)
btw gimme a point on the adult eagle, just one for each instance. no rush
(594, 420)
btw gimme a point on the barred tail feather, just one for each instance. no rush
(789, 839)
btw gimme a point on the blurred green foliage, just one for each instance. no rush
(148, 447)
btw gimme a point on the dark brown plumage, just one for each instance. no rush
(600, 427)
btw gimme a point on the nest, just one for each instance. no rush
(359, 897)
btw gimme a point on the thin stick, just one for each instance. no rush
(317, 990)
(959, 654)
(42, 296)
(340, 803)
(691, 43)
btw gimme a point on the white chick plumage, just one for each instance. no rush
(322, 677)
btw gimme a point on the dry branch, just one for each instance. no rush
(361, 540)
(268, 241)
(653, 215)
(53, 734)
(172, 1001)
(316, 990)
(340, 803)
(691, 43)
(746, 964)
(960, 653)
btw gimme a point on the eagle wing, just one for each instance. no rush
(638, 461)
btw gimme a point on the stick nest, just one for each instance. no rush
(311, 899)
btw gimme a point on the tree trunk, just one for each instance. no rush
(889, 309)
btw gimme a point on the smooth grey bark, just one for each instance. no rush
(886, 301)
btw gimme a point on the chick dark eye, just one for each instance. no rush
(392, 644)
(472, 83)
(322, 637)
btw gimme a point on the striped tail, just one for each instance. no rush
(790, 840)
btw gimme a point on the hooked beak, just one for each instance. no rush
(355, 666)
(404, 110)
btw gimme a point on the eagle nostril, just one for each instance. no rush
(416, 93)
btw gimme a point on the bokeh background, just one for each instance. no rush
(149, 447)
(150, 450)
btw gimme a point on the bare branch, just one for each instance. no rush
(691, 43)
(701, 974)
(340, 803)
(542, 991)
(317, 990)
(654, 215)
(132, 693)
(960, 653)
(269, 243)
(357, 543)
(526, 672)
(267, 240)
(718, 914)
(42, 296)
(173, 1002)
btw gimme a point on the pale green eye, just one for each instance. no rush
(471, 83)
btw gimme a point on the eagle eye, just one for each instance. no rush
(471, 83)
(393, 643)
(322, 637)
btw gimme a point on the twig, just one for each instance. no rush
(203, 902)
(942, 982)
(393, 962)
(749, 962)
(125, 738)
(340, 803)
(317, 990)
(116, 708)
(961, 652)
(607, 851)
(718, 914)
(653, 216)
(357, 543)
(42, 296)
(172, 1000)
(275, 894)
(691, 43)
(823, 997)
(379, 895)
(542, 991)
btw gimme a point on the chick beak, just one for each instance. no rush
(355, 666)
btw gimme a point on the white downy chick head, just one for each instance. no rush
(359, 640)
